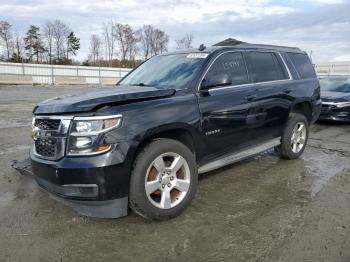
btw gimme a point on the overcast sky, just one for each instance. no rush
(322, 26)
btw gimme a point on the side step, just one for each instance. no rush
(237, 156)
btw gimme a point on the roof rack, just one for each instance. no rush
(235, 42)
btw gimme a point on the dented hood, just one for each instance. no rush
(89, 100)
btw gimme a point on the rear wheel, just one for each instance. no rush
(163, 180)
(295, 136)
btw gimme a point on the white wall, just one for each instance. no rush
(46, 74)
(335, 68)
(59, 74)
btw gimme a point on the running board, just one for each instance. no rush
(245, 153)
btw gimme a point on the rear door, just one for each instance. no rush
(273, 83)
(225, 110)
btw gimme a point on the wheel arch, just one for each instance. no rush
(183, 133)
(302, 107)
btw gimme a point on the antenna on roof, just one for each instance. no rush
(202, 47)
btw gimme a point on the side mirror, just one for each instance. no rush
(216, 81)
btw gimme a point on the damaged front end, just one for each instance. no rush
(112, 208)
(24, 167)
(91, 180)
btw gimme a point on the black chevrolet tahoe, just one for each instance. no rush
(143, 143)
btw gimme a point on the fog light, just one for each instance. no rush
(81, 190)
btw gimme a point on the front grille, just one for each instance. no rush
(46, 146)
(47, 124)
(326, 108)
(50, 136)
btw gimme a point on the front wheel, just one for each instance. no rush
(295, 136)
(164, 180)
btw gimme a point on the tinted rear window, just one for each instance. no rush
(303, 65)
(265, 66)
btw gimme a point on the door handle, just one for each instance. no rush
(287, 90)
(250, 97)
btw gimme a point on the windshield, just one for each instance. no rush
(166, 71)
(335, 85)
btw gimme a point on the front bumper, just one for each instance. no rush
(334, 113)
(96, 186)
(109, 177)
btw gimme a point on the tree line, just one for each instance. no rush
(121, 45)
(53, 43)
(118, 45)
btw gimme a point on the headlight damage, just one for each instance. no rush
(56, 136)
(342, 104)
(86, 134)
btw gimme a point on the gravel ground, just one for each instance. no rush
(261, 209)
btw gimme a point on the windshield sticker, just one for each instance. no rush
(197, 55)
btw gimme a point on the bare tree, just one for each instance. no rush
(153, 41)
(60, 34)
(109, 41)
(48, 33)
(6, 36)
(163, 39)
(18, 48)
(185, 42)
(126, 39)
(95, 48)
(132, 41)
(159, 42)
(146, 37)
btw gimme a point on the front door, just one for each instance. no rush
(226, 108)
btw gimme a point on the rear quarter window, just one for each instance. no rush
(265, 67)
(303, 65)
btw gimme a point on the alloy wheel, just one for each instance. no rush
(167, 180)
(298, 138)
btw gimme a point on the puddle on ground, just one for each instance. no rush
(324, 166)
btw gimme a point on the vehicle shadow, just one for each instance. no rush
(332, 123)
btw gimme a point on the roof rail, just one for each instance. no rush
(270, 46)
(238, 43)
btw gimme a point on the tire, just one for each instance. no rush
(290, 148)
(151, 169)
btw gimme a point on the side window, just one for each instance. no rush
(231, 65)
(303, 65)
(265, 66)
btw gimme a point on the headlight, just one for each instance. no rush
(342, 104)
(87, 134)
